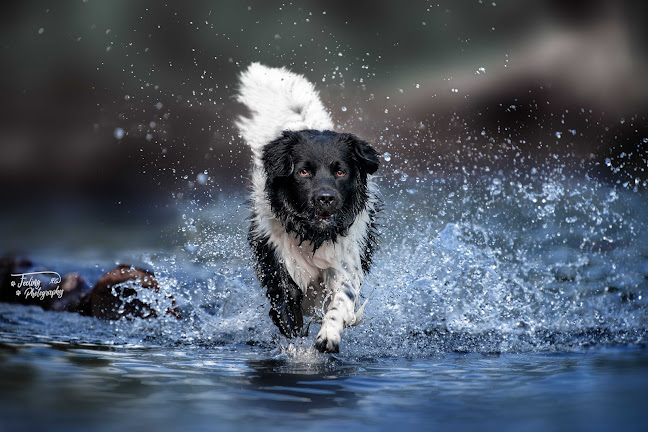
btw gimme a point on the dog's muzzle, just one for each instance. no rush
(326, 204)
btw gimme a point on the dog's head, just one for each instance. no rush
(317, 181)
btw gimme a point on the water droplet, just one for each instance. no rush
(344, 109)
(387, 156)
(119, 133)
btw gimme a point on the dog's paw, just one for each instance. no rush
(328, 339)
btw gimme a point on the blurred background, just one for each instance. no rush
(113, 112)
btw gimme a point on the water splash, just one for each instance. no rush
(504, 262)
(486, 264)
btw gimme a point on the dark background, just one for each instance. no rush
(110, 110)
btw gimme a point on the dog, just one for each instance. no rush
(313, 227)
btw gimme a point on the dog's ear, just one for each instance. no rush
(277, 155)
(365, 154)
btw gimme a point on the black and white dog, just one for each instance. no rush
(313, 229)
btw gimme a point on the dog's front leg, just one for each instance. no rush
(285, 301)
(284, 294)
(340, 314)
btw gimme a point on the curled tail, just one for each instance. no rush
(278, 100)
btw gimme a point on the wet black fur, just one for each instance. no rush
(291, 201)
(284, 294)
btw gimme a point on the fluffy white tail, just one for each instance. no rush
(278, 100)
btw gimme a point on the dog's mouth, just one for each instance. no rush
(324, 216)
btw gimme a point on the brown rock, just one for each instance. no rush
(119, 293)
(76, 296)
(115, 295)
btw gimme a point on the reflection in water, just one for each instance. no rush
(243, 388)
(291, 388)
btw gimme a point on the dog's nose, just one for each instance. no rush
(325, 198)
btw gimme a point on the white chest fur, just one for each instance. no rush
(333, 265)
(321, 274)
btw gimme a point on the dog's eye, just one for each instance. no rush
(339, 173)
(304, 173)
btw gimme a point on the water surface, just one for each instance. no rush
(499, 303)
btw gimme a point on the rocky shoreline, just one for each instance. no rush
(123, 292)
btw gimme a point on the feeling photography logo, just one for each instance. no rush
(30, 284)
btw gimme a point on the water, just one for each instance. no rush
(238, 387)
(498, 302)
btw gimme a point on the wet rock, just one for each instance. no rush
(76, 296)
(119, 293)
(125, 291)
